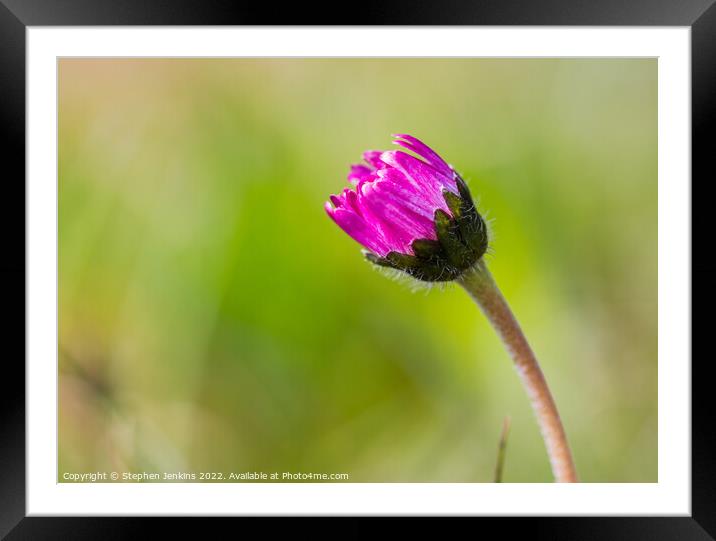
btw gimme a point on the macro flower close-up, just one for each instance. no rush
(418, 216)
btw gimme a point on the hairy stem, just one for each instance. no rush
(478, 282)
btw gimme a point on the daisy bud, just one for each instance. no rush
(413, 215)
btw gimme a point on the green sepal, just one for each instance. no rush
(454, 203)
(472, 227)
(461, 241)
(447, 229)
(463, 190)
(427, 249)
(435, 269)
(435, 273)
(377, 260)
(403, 261)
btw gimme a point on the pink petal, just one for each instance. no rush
(373, 158)
(424, 151)
(423, 178)
(357, 228)
(393, 211)
(413, 201)
(351, 199)
(395, 197)
(391, 233)
(337, 200)
(358, 173)
(388, 213)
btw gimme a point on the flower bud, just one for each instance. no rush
(413, 215)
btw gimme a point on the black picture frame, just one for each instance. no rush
(16, 15)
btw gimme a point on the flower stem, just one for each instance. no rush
(478, 282)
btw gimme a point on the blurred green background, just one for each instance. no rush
(212, 317)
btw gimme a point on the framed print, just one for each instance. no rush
(439, 267)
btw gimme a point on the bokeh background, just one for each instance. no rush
(212, 318)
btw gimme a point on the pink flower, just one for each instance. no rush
(395, 198)
(412, 214)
